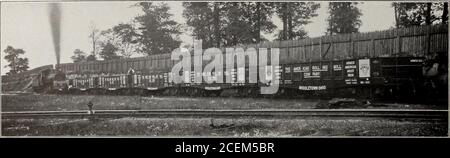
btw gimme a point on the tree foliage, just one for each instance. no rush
(344, 18)
(159, 33)
(257, 19)
(237, 28)
(79, 56)
(203, 19)
(246, 21)
(414, 14)
(295, 15)
(229, 23)
(119, 41)
(108, 51)
(127, 39)
(16, 63)
(91, 57)
(262, 19)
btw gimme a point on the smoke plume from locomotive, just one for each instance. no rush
(55, 23)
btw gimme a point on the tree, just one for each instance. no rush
(108, 44)
(229, 23)
(22, 65)
(16, 64)
(201, 18)
(444, 16)
(344, 18)
(91, 57)
(127, 39)
(79, 56)
(414, 14)
(108, 51)
(159, 33)
(245, 21)
(124, 39)
(93, 36)
(218, 22)
(295, 15)
(260, 19)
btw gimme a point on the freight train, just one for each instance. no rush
(378, 77)
(398, 63)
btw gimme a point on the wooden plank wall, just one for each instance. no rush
(412, 41)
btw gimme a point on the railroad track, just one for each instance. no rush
(366, 113)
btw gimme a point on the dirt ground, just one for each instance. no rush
(221, 127)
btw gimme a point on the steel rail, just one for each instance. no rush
(280, 113)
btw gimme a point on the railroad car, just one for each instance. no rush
(385, 64)
(363, 77)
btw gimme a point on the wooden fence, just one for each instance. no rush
(412, 41)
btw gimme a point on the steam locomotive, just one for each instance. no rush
(41, 79)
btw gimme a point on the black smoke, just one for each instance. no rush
(55, 23)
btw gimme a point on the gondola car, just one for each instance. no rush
(381, 64)
(365, 77)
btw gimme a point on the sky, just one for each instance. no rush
(26, 25)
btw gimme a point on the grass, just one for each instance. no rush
(220, 127)
(199, 127)
(79, 102)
